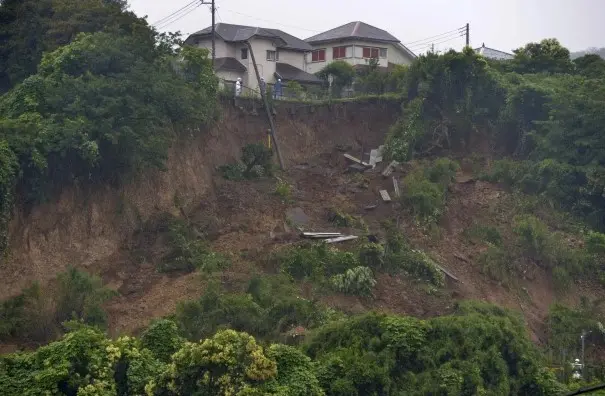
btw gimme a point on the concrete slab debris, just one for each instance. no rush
(389, 169)
(342, 239)
(385, 195)
(396, 187)
(376, 156)
(297, 217)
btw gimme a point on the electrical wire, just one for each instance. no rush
(459, 30)
(178, 17)
(438, 42)
(174, 13)
(442, 40)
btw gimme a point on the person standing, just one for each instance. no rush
(238, 87)
(263, 86)
(238, 90)
(277, 90)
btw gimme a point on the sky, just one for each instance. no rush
(500, 24)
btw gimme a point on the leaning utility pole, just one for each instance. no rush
(267, 110)
(468, 37)
(213, 34)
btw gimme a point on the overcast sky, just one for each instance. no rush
(500, 24)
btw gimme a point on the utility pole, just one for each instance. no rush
(213, 34)
(468, 37)
(267, 110)
(583, 336)
(433, 48)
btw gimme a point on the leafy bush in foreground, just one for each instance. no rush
(481, 349)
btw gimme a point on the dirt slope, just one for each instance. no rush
(87, 228)
(101, 230)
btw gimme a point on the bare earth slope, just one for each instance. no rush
(101, 231)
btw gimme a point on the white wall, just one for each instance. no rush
(222, 49)
(355, 56)
(260, 47)
(294, 58)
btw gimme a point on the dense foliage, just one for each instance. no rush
(480, 349)
(541, 108)
(97, 105)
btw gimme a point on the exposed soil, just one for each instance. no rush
(103, 231)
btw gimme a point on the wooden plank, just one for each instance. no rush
(385, 195)
(396, 187)
(342, 239)
(370, 207)
(320, 235)
(356, 160)
(447, 273)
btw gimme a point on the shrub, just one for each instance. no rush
(484, 233)
(561, 279)
(372, 255)
(232, 171)
(343, 74)
(357, 281)
(257, 160)
(283, 190)
(162, 339)
(80, 296)
(255, 163)
(315, 261)
(442, 171)
(534, 236)
(188, 251)
(595, 243)
(497, 263)
(341, 219)
(424, 198)
(269, 307)
(28, 316)
(417, 264)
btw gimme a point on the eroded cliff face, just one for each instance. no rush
(86, 228)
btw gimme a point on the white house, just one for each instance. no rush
(491, 53)
(278, 54)
(356, 43)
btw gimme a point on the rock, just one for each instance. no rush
(297, 217)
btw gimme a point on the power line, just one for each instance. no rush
(441, 40)
(459, 30)
(178, 17)
(420, 45)
(174, 13)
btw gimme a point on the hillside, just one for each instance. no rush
(151, 244)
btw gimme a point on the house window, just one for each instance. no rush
(369, 52)
(244, 53)
(272, 56)
(339, 52)
(383, 52)
(318, 55)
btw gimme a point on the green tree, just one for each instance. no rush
(230, 363)
(547, 56)
(590, 65)
(343, 74)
